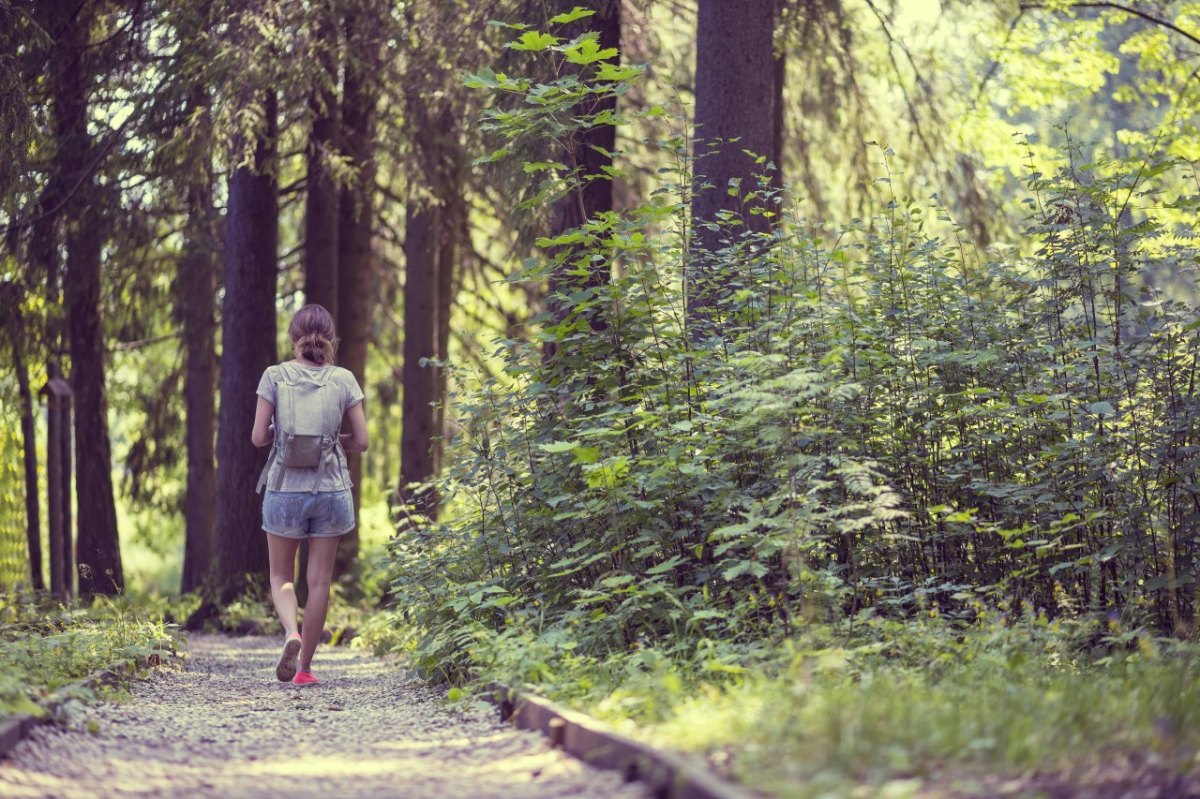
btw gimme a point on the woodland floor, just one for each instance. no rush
(224, 727)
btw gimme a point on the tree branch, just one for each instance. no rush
(1128, 10)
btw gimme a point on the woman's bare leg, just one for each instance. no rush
(321, 554)
(282, 555)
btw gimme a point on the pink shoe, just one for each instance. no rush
(285, 669)
(305, 678)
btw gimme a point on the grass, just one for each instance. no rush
(925, 707)
(822, 727)
(46, 645)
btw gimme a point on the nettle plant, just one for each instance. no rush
(880, 423)
(636, 486)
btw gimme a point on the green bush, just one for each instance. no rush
(44, 646)
(878, 420)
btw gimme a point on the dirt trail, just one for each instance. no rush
(224, 727)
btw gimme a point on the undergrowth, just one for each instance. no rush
(919, 505)
(45, 645)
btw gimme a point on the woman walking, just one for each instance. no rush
(303, 405)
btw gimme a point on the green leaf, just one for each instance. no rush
(608, 71)
(571, 237)
(491, 157)
(665, 566)
(587, 454)
(483, 79)
(589, 52)
(533, 41)
(578, 12)
(558, 446)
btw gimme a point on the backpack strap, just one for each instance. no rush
(266, 470)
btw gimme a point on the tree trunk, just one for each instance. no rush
(97, 547)
(33, 523)
(196, 295)
(247, 348)
(585, 153)
(735, 99)
(418, 419)
(44, 256)
(321, 269)
(450, 228)
(357, 286)
(778, 122)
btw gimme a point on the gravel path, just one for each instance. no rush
(224, 727)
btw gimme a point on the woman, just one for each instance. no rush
(310, 501)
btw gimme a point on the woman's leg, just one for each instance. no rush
(281, 552)
(321, 552)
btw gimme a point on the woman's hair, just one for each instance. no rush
(312, 334)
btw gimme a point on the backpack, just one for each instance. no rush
(308, 416)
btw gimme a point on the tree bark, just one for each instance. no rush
(247, 348)
(585, 153)
(44, 256)
(735, 99)
(196, 294)
(321, 268)
(33, 524)
(778, 121)
(450, 226)
(357, 284)
(418, 418)
(97, 546)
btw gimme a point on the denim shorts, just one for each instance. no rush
(300, 514)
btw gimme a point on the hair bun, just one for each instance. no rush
(315, 347)
(312, 334)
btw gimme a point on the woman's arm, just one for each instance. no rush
(356, 439)
(262, 434)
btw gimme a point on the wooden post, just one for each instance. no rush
(58, 478)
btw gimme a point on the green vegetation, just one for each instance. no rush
(750, 512)
(46, 645)
(812, 387)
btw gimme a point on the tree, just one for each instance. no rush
(247, 345)
(433, 210)
(588, 153)
(321, 266)
(420, 380)
(735, 115)
(11, 294)
(196, 289)
(356, 280)
(98, 548)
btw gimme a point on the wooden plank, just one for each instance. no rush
(667, 774)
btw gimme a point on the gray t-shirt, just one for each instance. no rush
(335, 474)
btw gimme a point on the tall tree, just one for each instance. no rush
(357, 274)
(196, 291)
(247, 346)
(11, 294)
(321, 267)
(428, 257)
(97, 546)
(420, 381)
(587, 154)
(734, 114)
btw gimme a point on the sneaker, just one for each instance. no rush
(285, 670)
(305, 678)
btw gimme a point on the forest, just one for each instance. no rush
(776, 380)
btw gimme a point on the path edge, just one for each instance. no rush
(14, 729)
(669, 775)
